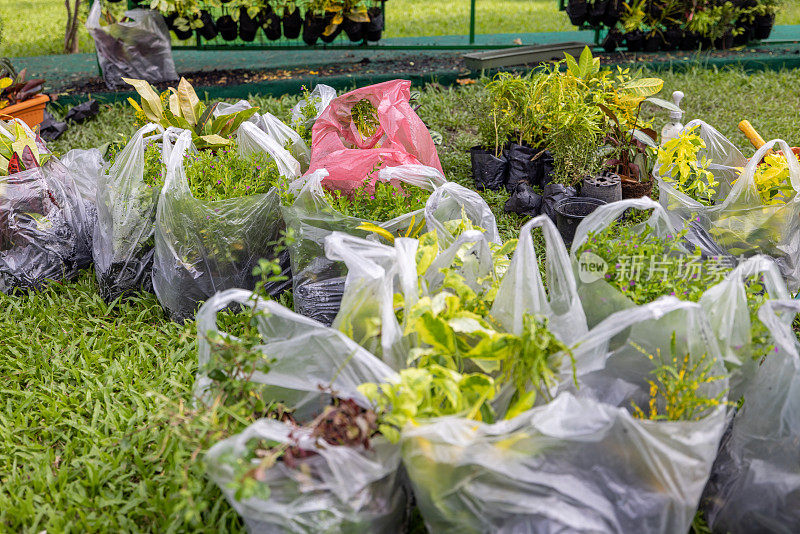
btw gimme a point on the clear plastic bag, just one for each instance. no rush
(202, 247)
(300, 363)
(755, 485)
(321, 95)
(338, 489)
(727, 309)
(86, 168)
(581, 463)
(319, 281)
(123, 241)
(42, 227)
(399, 137)
(140, 48)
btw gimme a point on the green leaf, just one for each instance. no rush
(212, 141)
(521, 404)
(585, 62)
(644, 86)
(203, 125)
(660, 102)
(151, 103)
(436, 333)
(572, 66)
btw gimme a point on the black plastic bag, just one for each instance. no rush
(375, 25)
(488, 171)
(83, 111)
(524, 201)
(50, 129)
(552, 194)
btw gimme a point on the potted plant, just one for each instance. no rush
(292, 20)
(183, 17)
(631, 155)
(208, 30)
(249, 20)
(681, 166)
(270, 19)
(356, 19)
(315, 21)
(19, 98)
(765, 18)
(376, 22)
(227, 27)
(578, 11)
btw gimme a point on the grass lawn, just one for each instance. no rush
(96, 427)
(36, 27)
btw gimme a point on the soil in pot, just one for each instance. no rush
(292, 24)
(271, 24)
(208, 30)
(635, 189)
(524, 201)
(313, 28)
(577, 11)
(488, 171)
(226, 27)
(633, 40)
(375, 25)
(354, 30)
(763, 26)
(571, 211)
(248, 26)
(606, 187)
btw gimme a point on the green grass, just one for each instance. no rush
(36, 27)
(95, 429)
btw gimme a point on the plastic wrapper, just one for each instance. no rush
(600, 299)
(339, 489)
(319, 281)
(579, 463)
(86, 168)
(726, 307)
(42, 224)
(322, 95)
(399, 138)
(739, 223)
(139, 48)
(122, 247)
(755, 485)
(202, 247)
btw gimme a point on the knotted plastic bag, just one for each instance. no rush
(300, 363)
(399, 137)
(139, 48)
(581, 463)
(201, 246)
(755, 485)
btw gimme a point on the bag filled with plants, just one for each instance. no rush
(218, 214)
(754, 486)
(737, 206)
(368, 128)
(323, 465)
(398, 203)
(43, 217)
(305, 113)
(631, 451)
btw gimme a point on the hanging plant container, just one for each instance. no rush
(354, 30)
(613, 13)
(578, 11)
(313, 28)
(334, 34)
(292, 24)
(763, 26)
(375, 25)
(226, 27)
(208, 30)
(271, 24)
(248, 26)
(598, 11)
(180, 34)
(633, 40)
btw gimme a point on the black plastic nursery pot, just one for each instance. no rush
(333, 35)
(597, 11)
(635, 189)
(292, 24)
(611, 41)
(313, 28)
(672, 38)
(208, 30)
(633, 41)
(577, 11)
(488, 171)
(226, 27)
(522, 166)
(571, 211)
(374, 28)
(248, 26)
(763, 26)
(552, 195)
(180, 34)
(606, 187)
(689, 41)
(271, 24)
(725, 42)
(354, 30)
(613, 13)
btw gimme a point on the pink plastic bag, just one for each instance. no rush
(401, 138)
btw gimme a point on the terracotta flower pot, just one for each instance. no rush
(31, 111)
(635, 189)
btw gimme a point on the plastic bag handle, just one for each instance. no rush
(607, 213)
(794, 165)
(207, 317)
(781, 330)
(288, 166)
(175, 173)
(414, 174)
(765, 265)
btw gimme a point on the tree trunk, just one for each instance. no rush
(71, 33)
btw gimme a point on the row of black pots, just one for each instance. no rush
(292, 23)
(607, 12)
